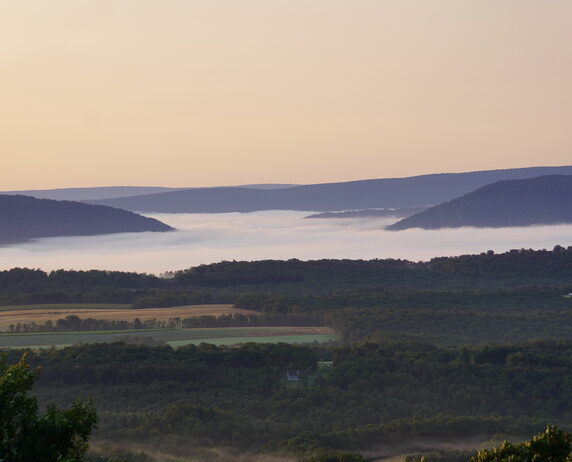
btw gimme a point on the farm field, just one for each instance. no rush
(174, 337)
(64, 306)
(42, 313)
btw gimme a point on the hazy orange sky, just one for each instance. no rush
(212, 92)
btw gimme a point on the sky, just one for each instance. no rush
(215, 92)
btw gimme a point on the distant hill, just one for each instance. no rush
(370, 213)
(110, 192)
(84, 194)
(24, 217)
(534, 201)
(267, 186)
(418, 191)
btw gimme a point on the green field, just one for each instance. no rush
(173, 337)
(301, 338)
(65, 306)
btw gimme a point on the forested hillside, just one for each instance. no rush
(545, 200)
(383, 396)
(222, 282)
(25, 217)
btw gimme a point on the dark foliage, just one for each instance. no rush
(74, 323)
(552, 445)
(374, 394)
(26, 435)
(346, 279)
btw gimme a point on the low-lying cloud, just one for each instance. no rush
(207, 238)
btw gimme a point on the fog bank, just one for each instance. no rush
(207, 238)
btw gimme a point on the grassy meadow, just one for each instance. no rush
(173, 337)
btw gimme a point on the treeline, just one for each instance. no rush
(137, 298)
(516, 268)
(442, 455)
(74, 323)
(24, 280)
(271, 272)
(536, 267)
(511, 300)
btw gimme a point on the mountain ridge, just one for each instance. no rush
(542, 200)
(416, 191)
(25, 218)
(110, 192)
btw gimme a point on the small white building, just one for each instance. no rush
(293, 375)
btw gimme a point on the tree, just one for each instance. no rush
(26, 435)
(552, 445)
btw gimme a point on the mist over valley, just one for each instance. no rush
(207, 238)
